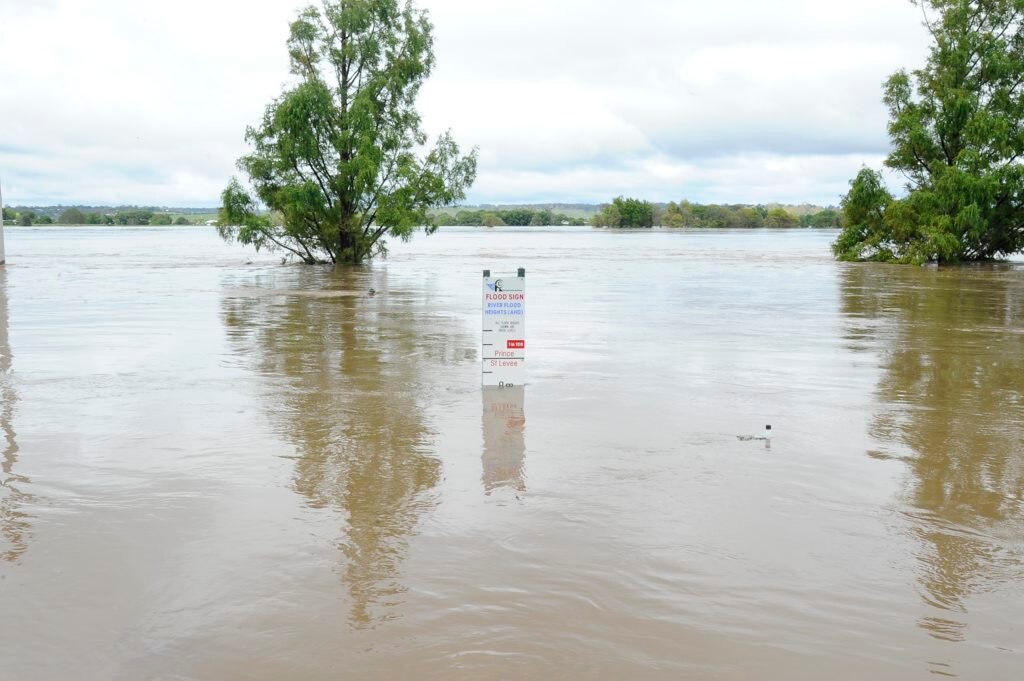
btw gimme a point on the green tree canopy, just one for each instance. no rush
(957, 130)
(336, 153)
(444, 219)
(828, 217)
(748, 217)
(866, 236)
(518, 216)
(623, 212)
(686, 214)
(780, 217)
(135, 216)
(469, 217)
(71, 216)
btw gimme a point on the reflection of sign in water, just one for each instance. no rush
(504, 420)
(504, 330)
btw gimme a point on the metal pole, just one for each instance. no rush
(3, 255)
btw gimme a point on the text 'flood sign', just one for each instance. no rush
(504, 336)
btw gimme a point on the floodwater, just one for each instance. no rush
(221, 469)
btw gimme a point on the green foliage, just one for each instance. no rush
(518, 217)
(747, 217)
(826, 218)
(182, 220)
(26, 218)
(135, 216)
(957, 130)
(865, 235)
(623, 212)
(686, 214)
(780, 217)
(715, 216)
(443, 219)
(71, 216)
(335, 154)
(492, 220)
(98, 219)
(607, 216)
(105, 215)
(677, 215)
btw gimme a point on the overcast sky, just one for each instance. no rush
(126, 101)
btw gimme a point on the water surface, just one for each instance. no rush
(217, 466)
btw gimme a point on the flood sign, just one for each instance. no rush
(504, 329)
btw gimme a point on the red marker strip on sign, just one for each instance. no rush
(516, 345)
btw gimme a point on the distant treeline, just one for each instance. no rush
(623, 212)
(520, 217)
(75, 216)
(629, 212)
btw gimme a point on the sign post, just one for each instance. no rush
(503, 351)
(3, 256)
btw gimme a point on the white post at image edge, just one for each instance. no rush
(3, 255)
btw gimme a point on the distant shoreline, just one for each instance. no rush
(499, 228)
(670, 214)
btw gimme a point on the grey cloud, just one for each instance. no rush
(569, 100)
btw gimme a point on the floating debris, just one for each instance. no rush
(767, 437)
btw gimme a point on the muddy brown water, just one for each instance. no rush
(221, 469)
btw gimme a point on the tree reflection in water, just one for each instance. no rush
(14, 522)
(346, 385)
(950, 403)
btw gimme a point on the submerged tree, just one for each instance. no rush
(866, 236)
(623, 212)
(71, 216)
(336, 154)
(957, 129)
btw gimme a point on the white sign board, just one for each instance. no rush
(504, 330)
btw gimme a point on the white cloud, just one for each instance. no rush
(739, 178)
(123, 101)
